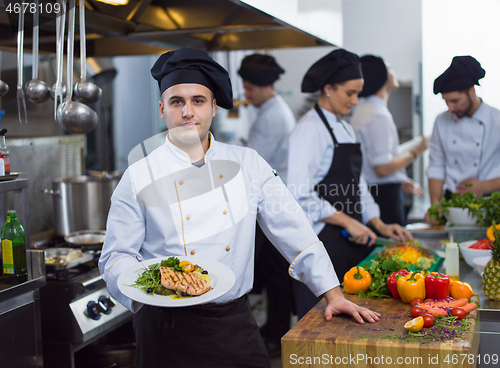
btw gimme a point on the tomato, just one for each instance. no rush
(481, 244)
(415, 301)
(424, 312)
(428, 300)
(459, 312)
(428, 320)
(415, 311)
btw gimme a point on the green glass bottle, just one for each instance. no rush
(13, 250)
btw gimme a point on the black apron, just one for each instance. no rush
(340, 187)
(209, 336)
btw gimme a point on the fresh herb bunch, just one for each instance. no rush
(485, 209)
(444, 329)
(149, 280)
(380, 270)
(173, 263)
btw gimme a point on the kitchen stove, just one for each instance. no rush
(76, 310)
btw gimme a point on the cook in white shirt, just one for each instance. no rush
(383, 169)
(324, 169)
(145, 222)
(464, 150)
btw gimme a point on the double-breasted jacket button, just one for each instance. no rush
(181, 182)
(193, 252)
(221, 176)
(225, 212)
(188, 217)
(228, 249)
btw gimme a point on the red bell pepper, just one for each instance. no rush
(392, 282)
(437, 286)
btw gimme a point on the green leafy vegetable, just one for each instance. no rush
(380, 270)
(486, 209)
(172, 262)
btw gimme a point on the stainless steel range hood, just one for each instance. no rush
(155, 26)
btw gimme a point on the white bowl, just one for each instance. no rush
(460, 217)
(470, 254)
(480, 263)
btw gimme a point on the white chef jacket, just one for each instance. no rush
(269, 133)
(310, 154)
(378, 135)
(465, 148)
(136, 232)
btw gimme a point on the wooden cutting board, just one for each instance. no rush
(342, 342)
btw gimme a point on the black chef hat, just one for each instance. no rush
(463, 73)
(338, 66)
(189, 65)
(374, 74)
(261, 70)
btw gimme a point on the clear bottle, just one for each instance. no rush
(2, 166)
(13, 250)
(451, 260)
(4, 151)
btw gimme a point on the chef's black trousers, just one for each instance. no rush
(390, 199)
(209, 336)
(271, 272)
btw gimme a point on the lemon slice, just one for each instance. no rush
(186, 266)
(415, 325)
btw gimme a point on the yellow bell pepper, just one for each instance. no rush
(356, 279)
(411, 286)
(491, 231)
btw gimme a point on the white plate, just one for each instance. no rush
(222, 280)
(423, 229)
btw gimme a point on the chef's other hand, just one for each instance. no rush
(394, 231)
(422, 146)
(337, 304)
(428, 220)
(471, 185)
(409, 186)
(360, 233)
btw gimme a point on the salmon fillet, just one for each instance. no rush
(183, 282)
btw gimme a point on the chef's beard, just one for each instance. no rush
(468, 109)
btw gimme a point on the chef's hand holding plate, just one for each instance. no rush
(338, 304)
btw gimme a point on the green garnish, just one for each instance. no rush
(380, 270)
(149, 280)
(444, 329)
(172, 262)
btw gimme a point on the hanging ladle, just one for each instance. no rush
(58, 89)
(21, 102)
(85, 91)
(36, 90)
(4, 88)
(74, 116)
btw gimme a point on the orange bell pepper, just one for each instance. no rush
(356, 279)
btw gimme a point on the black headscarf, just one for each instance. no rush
(338, 66)
(374, 74)
(261, 70)
(463, 73)
(189, 65)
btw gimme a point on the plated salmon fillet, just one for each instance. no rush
(183, 282)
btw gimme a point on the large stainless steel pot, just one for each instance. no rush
(81, 202)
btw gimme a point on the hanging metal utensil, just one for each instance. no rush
(85, 91)
(74, 116)
(57, 92)
(21, 102)
(36, 90)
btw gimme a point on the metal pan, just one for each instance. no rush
(86, 239)
(65, 258)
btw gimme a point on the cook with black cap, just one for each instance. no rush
(268, 135)
(196, 197)
(463, 153)
(383, 169)
(324, 170)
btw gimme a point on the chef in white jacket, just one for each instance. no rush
(194, 196)
(463, 153)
